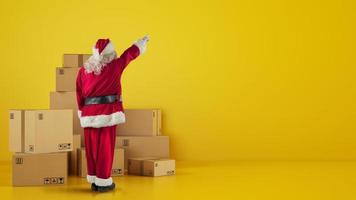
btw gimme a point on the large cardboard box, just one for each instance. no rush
(66, 79)
(74, 60)
(40, 131)
(16, 130)
(39, 169)
(67, 100)
(159, 167)
(117, 166)
(48, 131)
(141, 122)
(73, 156)
(135, 165)
(143, 146)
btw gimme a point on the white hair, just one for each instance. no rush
(97, 64)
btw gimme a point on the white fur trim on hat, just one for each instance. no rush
(103, 182)
(109, 48)
(98, 121)
(91, 179)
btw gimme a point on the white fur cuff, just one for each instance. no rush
(141, 44)
(103, 182)
(91, 179)
(79, 113)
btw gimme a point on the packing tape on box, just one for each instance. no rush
(80, 60)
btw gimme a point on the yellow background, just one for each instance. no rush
(244, 79)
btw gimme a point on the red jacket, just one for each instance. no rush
(108, 82)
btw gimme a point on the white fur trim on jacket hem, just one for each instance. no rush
(98, 121)
(103, 182)
(91, 179)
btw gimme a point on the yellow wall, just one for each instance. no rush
(244, 79)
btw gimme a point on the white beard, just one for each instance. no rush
(96, 65)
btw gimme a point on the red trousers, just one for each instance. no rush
(99, 151)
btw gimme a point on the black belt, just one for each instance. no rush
(101, 100)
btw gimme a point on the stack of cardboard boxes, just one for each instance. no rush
(40, 140)
(48, 144)
(65, 98)
(146, 150)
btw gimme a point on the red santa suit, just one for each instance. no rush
(100, 78)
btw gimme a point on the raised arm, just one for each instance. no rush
(138, 48)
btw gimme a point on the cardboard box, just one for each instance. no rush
(74, 60)
(39, 169)
(159, 167)
(16, 130)
(85, 57)
(135, 165)
(143, 146)
(66, 79)
(67, 100)
(117, 166)
(48, 131)
(73, 156)
(141, 122)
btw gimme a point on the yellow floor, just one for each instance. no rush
(224, 180)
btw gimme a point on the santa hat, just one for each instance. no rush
(102, 47)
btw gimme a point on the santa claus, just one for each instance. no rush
(100, 107)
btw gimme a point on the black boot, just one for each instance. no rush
(94, 187)
(106, 188)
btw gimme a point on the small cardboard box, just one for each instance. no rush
(159, 167)
(16, 130)
(67, 100)
(74, 60)
(140, 122)
(48, 131)
(39, 169)
(73, 156)
(66, 79)
(143, 146)
(117, 166)
(135, 165)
